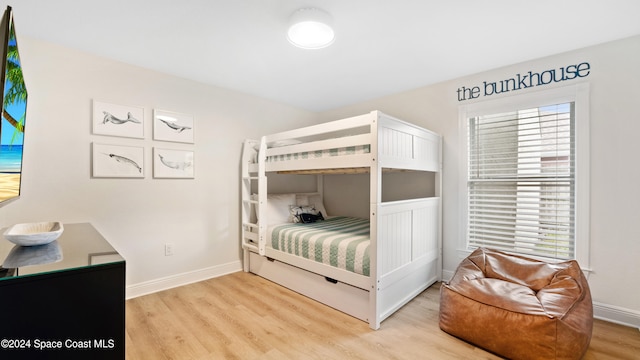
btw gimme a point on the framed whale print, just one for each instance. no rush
(173, 164)
(172, 126)
(117, 161)
(118, 120)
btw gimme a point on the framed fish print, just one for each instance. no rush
(172, 126)
(173, 164)
(117, 161)
(118, 120)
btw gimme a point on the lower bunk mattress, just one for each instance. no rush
(341, 242)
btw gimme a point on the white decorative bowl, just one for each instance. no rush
(33, 234)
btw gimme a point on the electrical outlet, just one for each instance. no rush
(168, 249)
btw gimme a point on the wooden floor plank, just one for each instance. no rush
(243, 316)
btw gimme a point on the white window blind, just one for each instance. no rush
(521, 181)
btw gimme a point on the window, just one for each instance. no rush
(522, 176)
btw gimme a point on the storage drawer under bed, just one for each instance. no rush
(346, 298)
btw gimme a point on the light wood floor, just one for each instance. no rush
(243, 316)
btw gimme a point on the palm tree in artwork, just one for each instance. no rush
(17, 91)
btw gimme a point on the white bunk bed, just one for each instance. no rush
(404, 236)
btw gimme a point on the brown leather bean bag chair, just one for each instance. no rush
(517, 307)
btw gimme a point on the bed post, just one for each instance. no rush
(375, 193)
(262, 197)
(320, 187)
(438, 194)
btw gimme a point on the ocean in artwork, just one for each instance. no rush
(10, 169)
(10, 159)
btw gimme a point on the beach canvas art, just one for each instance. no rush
(14, 110)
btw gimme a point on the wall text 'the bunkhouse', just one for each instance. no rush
(524, 81)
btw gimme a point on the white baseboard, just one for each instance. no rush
(616, 314)
(169, 282)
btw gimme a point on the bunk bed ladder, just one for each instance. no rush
(250, 224)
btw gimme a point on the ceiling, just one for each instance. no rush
(382, 47)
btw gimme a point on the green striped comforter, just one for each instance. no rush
(340, 241)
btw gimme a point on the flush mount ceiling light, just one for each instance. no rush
(310, 28)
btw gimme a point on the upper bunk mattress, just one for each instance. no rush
(341, 242)
(349, 150)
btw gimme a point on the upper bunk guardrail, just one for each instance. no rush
(324, 128)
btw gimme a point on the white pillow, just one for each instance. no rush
(302, 200)
(316, 200)
(278, 208)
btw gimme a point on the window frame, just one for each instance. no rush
(579, 94)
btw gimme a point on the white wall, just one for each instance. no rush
(615, 194)
(201, 216)
(138, 216)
